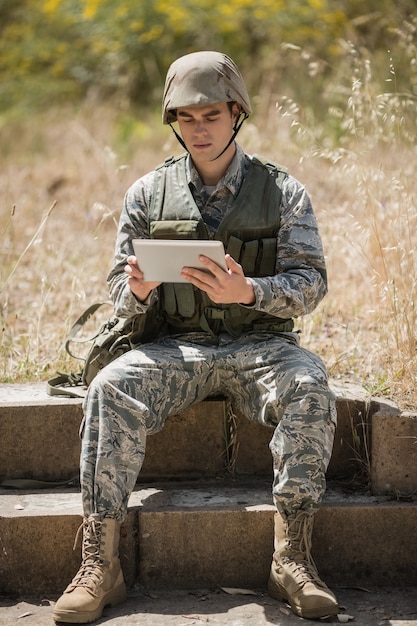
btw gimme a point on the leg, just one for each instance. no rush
(301, 448)
(130, 398)
(279, 384)
(286, 386)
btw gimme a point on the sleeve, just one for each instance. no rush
(300, 282)
(133, 224)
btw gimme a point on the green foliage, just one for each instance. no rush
(64, 50)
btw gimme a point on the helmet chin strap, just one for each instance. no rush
(236, 128)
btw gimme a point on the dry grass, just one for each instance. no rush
(62, 181)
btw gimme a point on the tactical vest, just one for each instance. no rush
(248, 232)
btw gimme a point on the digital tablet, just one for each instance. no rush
(161, 260)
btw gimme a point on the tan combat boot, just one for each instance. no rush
(99, 581)
(294, 576)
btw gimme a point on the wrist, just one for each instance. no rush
(249, 299)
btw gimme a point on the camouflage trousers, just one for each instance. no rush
(269, 379)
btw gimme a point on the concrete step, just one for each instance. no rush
(206, 534)
(215, 530)
(40, 440)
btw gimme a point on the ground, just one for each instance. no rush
(366, 607)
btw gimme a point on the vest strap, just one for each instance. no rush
(268, 258)
(250, 255)
(234, 247)
(185, 299)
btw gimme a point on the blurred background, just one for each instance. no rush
(60, 51)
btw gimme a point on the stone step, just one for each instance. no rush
(206, 534)
(39, 435)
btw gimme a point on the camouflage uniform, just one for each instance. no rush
(247, 353)
(271, 379)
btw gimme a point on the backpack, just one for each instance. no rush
(114, 337)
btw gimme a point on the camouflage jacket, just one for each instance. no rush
(300, 280)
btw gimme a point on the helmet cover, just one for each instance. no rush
(200, 79)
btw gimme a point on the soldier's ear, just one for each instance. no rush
(236, 110)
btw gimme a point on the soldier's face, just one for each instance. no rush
(206, 130)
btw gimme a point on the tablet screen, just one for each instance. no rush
(161, 260)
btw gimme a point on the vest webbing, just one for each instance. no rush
(249, 234)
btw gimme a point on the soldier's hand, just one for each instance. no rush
(223, 287)
(140, 288)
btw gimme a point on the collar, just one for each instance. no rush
(232, 178)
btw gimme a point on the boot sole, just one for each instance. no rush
(116, 596)
(316, 613)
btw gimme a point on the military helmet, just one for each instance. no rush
(203, 78)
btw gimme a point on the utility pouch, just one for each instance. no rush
(114, 337)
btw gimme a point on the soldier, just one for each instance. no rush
(224, 332)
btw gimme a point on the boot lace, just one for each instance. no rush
(302, 564)
(90, 573)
